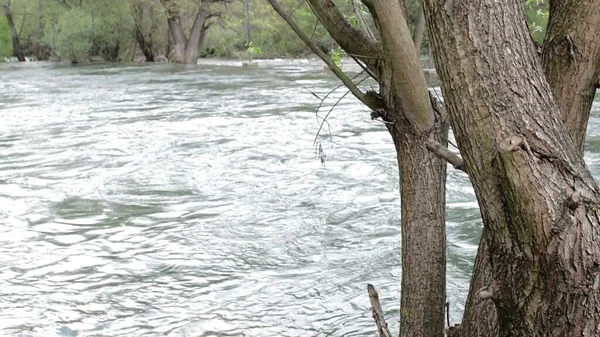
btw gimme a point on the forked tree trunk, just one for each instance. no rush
(197, 35)
(17, 50)
(185, 50)
(422, 177)
(537, 198)
(573, 80)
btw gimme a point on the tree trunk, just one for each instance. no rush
(423, 177)
(419, 30)
(423, 201)
(39, 44)
(537, 198)
(185, 50)
(197, 35)
(145, 46)
(179, 41)
(480, 318)
(175, 30)
(571, 57)
(573, 82)
(17, 50)
(138, 12)
(412, 124)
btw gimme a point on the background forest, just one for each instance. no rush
(137, 30)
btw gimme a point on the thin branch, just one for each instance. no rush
(64, 3)
(331, 110)
(334, 68)
(22, 23)
(296, 8)
(382, 326)
(364, 68)
(327, 115)
(409, 80)
(361, 20)
(441, 151)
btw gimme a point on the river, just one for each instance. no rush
(161, 200)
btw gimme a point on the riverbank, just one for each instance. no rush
(347, 64)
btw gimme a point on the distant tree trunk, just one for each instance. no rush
(17, 50)
(196, 38)
(537, 198)
(185, 50)
(39, 53)
(419, 30)
(146, 45)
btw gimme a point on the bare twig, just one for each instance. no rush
(334, 68)
(64, 3)
(296, 8)
(382, 326)
(361, 20)
(333, 107)
(327, 115)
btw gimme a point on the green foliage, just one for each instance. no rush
(537, 18)
(5, 40)
(71, 37)
(252, 50)
(113, 30)
(269, 31)
(336, 56)
(49, 27)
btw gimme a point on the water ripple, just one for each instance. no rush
(141, 200)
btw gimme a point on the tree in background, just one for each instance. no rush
(71, 37)
(149, 36)
(16, 44)
(185, 48)
(5, 39)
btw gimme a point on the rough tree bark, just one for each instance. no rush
(573, 82)
(17, 50)
(571, 57)
(403, 103)
(186, 50)
(537, 198)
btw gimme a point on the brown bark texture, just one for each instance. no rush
(573, 82)
(17, 50)
(423, 201)
(537, 198)
(571, 58)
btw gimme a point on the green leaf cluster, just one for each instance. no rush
(5, 40)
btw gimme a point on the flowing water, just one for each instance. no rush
(157, 200)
